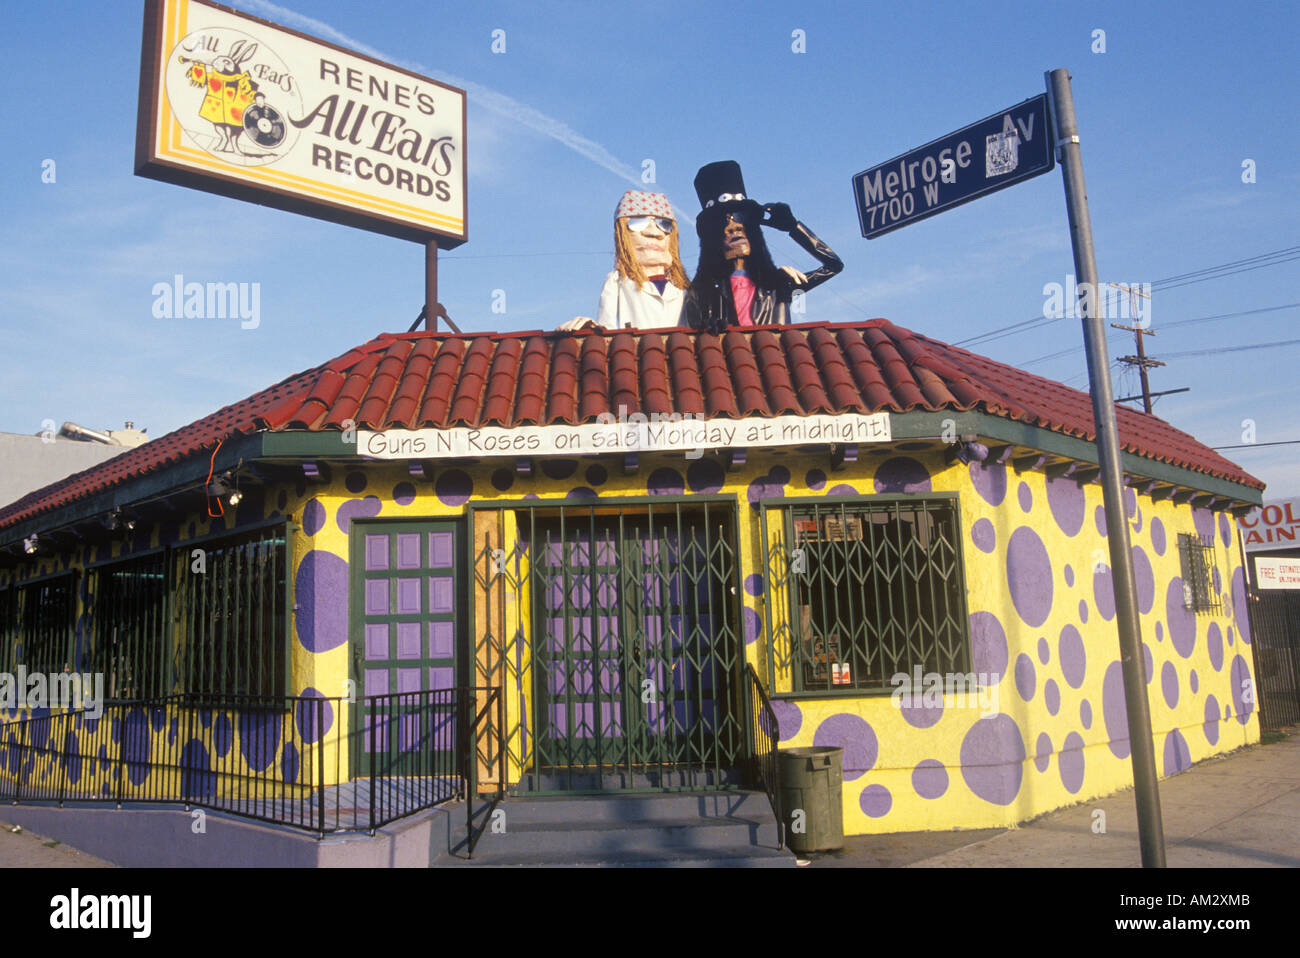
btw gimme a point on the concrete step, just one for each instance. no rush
(629, 809)
(635, 857)
(573, 839)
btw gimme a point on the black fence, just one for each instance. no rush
(289, 760)
(766, 737)
(1275, 640)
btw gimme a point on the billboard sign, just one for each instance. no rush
(987, 156)
(1274, 525)
(235, 105)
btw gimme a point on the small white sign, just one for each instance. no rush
(635, 434)
(1277, 573)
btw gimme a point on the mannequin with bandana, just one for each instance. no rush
(647, 287)
(736, 283)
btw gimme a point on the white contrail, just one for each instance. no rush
(483, 96)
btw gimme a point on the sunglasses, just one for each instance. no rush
(639, 223)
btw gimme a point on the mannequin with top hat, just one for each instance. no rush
(736, 283)
(647, 287)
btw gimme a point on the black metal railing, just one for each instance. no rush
(765, 736)
(495, 754)
(297, 761)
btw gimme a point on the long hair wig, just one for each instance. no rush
(625, 257)
(714, 267)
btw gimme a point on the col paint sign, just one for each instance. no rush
(234, 105)
(990, 155)
(1275, 525)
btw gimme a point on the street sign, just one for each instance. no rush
(1005, 148)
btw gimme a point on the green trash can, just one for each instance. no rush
(812, 783)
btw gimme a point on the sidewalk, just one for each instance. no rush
(28, 850)
(1240, 810)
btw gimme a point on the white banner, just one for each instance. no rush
(1277, 573)
(655, 434)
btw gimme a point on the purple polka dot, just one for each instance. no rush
(901, 474)
(789, 718)
(1145, 579)
(581, 492)
(1194, 682)
(1073, 656)
(855, 736)
(815, 479)
(1025, 497)
(1043, 752)
(770, 487)
(1149, 665)
(289, 762)
(992, 759)
(596, 475)
(321, 591)
(1052, 696)
(1130, 503)
(705, 476)
(1160, 632)
(1203, 519)
(404, 493)
(502, 479)
(982, 534)
(1177, 757)
(282, 499)
(754, 584)
(1085, 713)
(843, 489)
(1029, 576)
(313, 720)
(1214, 645)
(1211, 726)
(988, 642)
(989, 480)
(1240, 612)
(454, 487)
(1158, 536)
(1239, 676)
(1169, 684)
(1225, 530)
(1137, 521)
(355, 482)
(752, 627)
(1083, 611)
(665, 482)
(1217, 580)
(357, 509)
(1026, 678)
(1113, 710)
(1103, 593)
(920, 709)
(1070, 762)
(1044, 652)
(313, 517)
(875, 801)
(1069, 575)
(1229, 636)
(1182, 623)
(929, 779)
(1099, 517)
(259, 738)
(558, 469)
(1068, 504)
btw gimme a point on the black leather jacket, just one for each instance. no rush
(711, 307)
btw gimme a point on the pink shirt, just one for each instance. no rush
(742, 291)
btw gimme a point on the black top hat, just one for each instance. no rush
(718, 180)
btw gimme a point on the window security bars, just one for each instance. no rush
(1196, 556)
(861, 591)
(133, 646)
(9, 627)
(47, 613)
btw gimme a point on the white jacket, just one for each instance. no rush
(623, 306)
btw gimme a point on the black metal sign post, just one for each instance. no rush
(1150, 826)
(431, 285)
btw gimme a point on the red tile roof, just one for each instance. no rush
(419, 380)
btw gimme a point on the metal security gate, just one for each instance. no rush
(623, 650)
(1275, 641)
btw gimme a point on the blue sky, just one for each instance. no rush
(559, 127)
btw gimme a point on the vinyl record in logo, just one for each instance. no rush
(264, 125)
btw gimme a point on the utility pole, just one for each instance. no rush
(1140, 360)
(1151, 836)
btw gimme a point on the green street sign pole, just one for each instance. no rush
(1150, 827)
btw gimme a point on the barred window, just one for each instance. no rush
(133, 639)
(47, 613)
(8, 627)
(1196, 556)
(232, 606)
(873, 587)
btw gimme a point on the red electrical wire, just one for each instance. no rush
(221, 510)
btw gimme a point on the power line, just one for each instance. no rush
(1251, 445)
(1232, 349)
